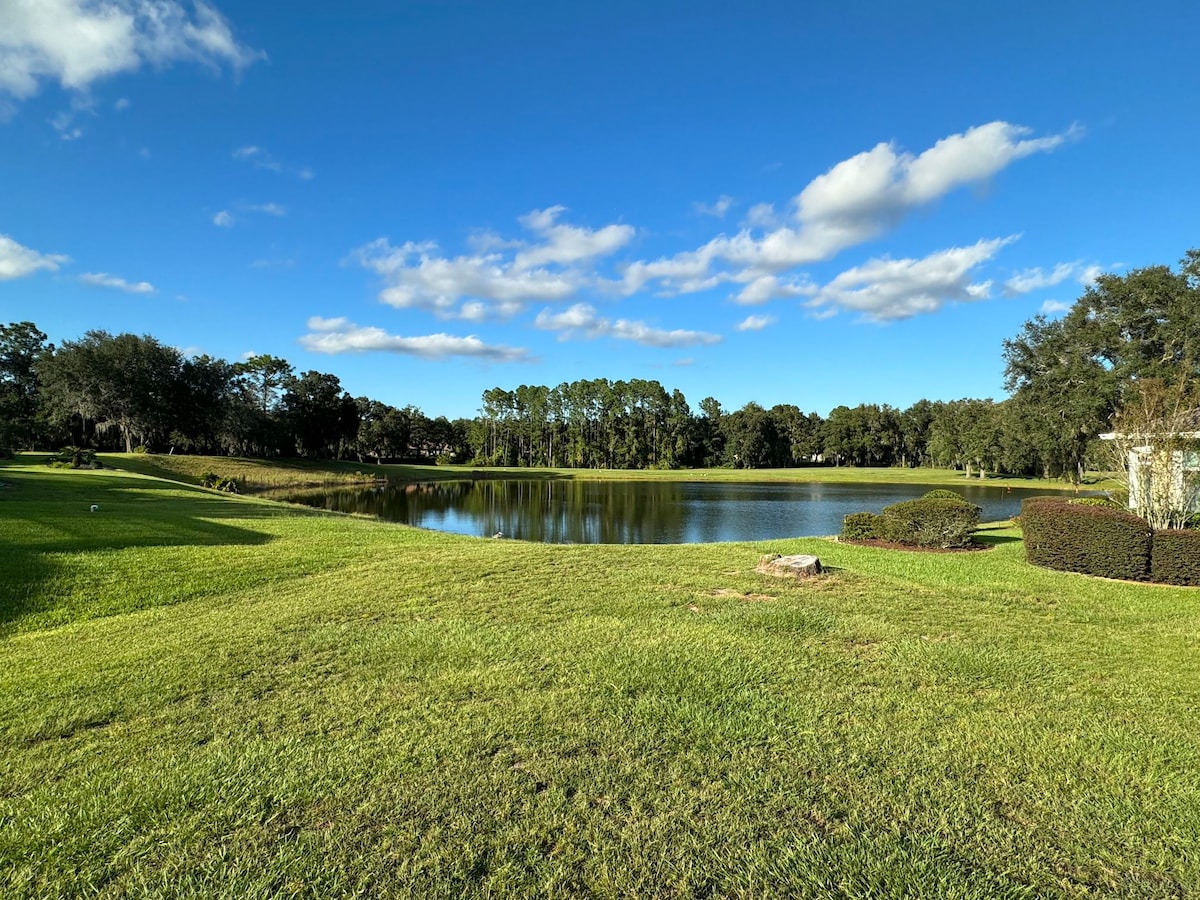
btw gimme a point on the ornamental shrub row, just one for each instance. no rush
(934, 522)
(1175, 558)
(1092, 539)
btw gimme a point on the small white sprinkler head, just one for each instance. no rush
(95, 507)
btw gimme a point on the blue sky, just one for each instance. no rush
(780, 202)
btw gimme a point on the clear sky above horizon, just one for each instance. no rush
(780, 202)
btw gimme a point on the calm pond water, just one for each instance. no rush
(636, 512)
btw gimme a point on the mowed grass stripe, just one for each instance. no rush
(333, 706)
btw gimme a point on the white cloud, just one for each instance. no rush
(123, 103)
(567, 244)
(103, 279)
(226, 219)
(17, 261)
(1036, 279)
(261, 158)
(64, 124)
(887, 289)
(855, 201)
(761, 215)
(582, 319)
(342, 336)
(1054, 307)
(717, 210)
(755, 323)
(79, 42)
(257, 157)
(1089, 275)
(763, 288)
(501, 276)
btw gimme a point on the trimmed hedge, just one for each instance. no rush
(942, 522)
(1094, 540)
(1175, 558)
(860, 526)
(930, 522)
(1102, 502)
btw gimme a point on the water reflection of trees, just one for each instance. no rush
(614, 512)
(546, 511)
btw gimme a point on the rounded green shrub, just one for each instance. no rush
(1175, 557)
(930, 522)
(943, 494)
(1087, 538)
(860, 526)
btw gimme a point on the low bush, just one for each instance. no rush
(219, 482)
(1087, 538)
(74, 458)
(1175, 558)
(1101, 502)
(943, 494)
(860, 526)
(930, 522)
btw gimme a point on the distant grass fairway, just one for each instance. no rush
(260, 473)
(213, 696)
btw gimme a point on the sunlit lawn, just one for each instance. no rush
(204, 695)
(286, 473)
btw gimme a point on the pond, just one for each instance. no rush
(636, 512)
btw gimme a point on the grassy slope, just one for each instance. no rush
(203, 695)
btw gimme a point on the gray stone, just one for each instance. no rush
(799, 566)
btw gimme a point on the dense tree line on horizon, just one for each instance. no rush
(1067, 378)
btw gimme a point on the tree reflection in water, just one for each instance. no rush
(638, 512)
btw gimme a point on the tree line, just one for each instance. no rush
(1067, 378)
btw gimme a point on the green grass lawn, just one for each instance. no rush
(204, 695)
(264, 474)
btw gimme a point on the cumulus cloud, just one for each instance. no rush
(716, 210)
(1036, 278)
(80, 42)
(887, 289)
(340, 335)
(17, 261)
(567, 244)
(763, 288)
(855, 201)
(582, 319)
(103, 279)
(1054, 307)
(223, 219)
(755, 323)
(761, 215)
(501, 276)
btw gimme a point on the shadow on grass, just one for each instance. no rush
(41, 517)
(993, 540)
